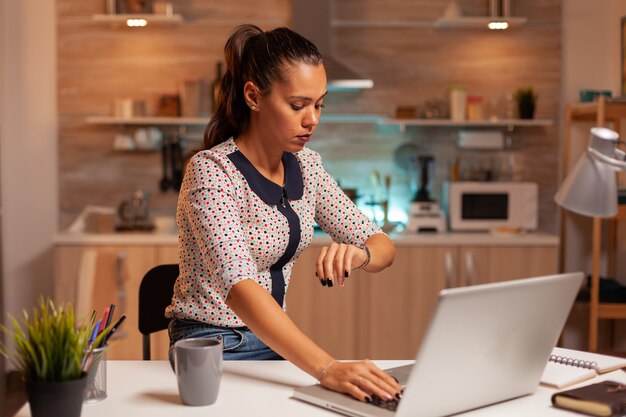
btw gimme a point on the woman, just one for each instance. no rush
(247, 207)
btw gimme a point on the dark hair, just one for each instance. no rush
(253, 55)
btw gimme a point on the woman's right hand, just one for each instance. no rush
(361, 379)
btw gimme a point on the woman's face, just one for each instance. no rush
(289, 114)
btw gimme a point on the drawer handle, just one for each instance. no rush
(449, 265)
(469, 266)
(120, 280)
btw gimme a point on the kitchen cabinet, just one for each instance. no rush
(380, 316)
(398, 302)
(384, 315)
(484, 264)
(94, 276)
(328, 315)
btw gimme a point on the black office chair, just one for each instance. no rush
(155, 293)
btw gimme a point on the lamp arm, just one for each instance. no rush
(620, 165)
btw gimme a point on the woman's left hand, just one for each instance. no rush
(335, 262)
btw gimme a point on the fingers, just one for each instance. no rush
(362, 380)
(358, 393)
(319, 266)
(334, 263)
(384, 386)
(351, 252)
(338, 267)
(328, 264)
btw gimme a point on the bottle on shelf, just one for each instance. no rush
(111, 6)
(458, 103)
(474, 107)
(215, 87)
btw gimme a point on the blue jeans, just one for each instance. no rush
(239, 343)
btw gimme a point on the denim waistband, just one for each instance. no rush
(192, 322)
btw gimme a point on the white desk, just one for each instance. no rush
(256, 388)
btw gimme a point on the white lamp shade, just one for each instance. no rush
(590, 189)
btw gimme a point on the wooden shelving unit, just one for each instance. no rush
(600, 113)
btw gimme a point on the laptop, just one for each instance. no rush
(484, 344)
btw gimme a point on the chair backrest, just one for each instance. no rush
(155, 294)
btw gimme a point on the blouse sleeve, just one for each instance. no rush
(208, 203)
(336, 214)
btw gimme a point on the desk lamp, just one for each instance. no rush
(590, 188)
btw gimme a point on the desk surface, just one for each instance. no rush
(256, 388)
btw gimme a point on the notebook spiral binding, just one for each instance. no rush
(574, 362)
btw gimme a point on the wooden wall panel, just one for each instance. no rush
(392, 42)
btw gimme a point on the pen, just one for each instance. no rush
(92, 320)
(113, 329)
(94, 333)
(105, 319)
(111, 310)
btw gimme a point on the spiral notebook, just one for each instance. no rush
(567, 367)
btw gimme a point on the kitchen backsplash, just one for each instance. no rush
(391, 42)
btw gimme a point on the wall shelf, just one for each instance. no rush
(461, 22)
(508, 123)
(151, 19)
(328, 118)
(202, 121)
(477, 22)
(148, 121)
(351, 118)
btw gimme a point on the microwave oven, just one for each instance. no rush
(475, 206)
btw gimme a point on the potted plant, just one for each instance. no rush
(49, 350)
(526, 101)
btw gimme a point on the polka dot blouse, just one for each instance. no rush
(235, 224)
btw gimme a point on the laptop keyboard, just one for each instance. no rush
(390, 405)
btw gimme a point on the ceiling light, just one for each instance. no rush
(133, 23)
(498, 25)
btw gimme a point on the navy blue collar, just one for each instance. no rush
(268, 191)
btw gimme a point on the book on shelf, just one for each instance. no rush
(567, 367)
(607, 398)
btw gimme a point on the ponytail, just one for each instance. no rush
(253, 55)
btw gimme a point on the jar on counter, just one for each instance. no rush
(475, 108)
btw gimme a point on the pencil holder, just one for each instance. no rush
(96, 389)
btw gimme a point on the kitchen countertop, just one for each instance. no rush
(400, 239)
(95, 225)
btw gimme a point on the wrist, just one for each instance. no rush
(368, 256)
(324, 371)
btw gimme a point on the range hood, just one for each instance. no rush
(313, 20)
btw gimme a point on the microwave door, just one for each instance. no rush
(483, 211)
(485, 206)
